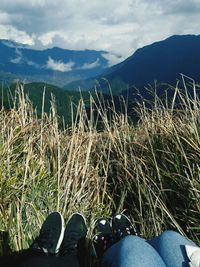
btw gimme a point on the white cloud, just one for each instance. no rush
(112, 58)
(32, 63)
(59, 65)
(11, 33)
(92, 65)
(47, 38)
(119, 27)
(100, 37)
(18, 59)
(4, 18)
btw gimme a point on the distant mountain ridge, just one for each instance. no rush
(56, 65)
(162, 61)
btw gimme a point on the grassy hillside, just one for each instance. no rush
(150, 170)
(42, 95)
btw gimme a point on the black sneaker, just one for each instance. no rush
(75, 235)
(51, 234)
(122, 227)
(103, 237)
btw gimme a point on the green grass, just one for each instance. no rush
(150, 170)
(42, 93)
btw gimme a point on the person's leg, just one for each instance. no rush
(132, 251)
(171, 247)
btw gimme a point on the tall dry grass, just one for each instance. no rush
(150, 170)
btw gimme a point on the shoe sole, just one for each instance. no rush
(61, 233)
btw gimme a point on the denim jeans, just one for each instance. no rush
(166, 250)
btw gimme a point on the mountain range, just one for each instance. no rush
(161, 61)
(56, 66)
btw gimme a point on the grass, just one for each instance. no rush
(37, 92)
(149, 170)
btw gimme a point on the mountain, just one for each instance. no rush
(161, 61)
(56, 66)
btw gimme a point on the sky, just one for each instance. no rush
(116, 26)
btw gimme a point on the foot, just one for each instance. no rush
(51, 234)
(75, 235)
(122, 227)
(103, 237)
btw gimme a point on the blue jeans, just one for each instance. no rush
(166, 250)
